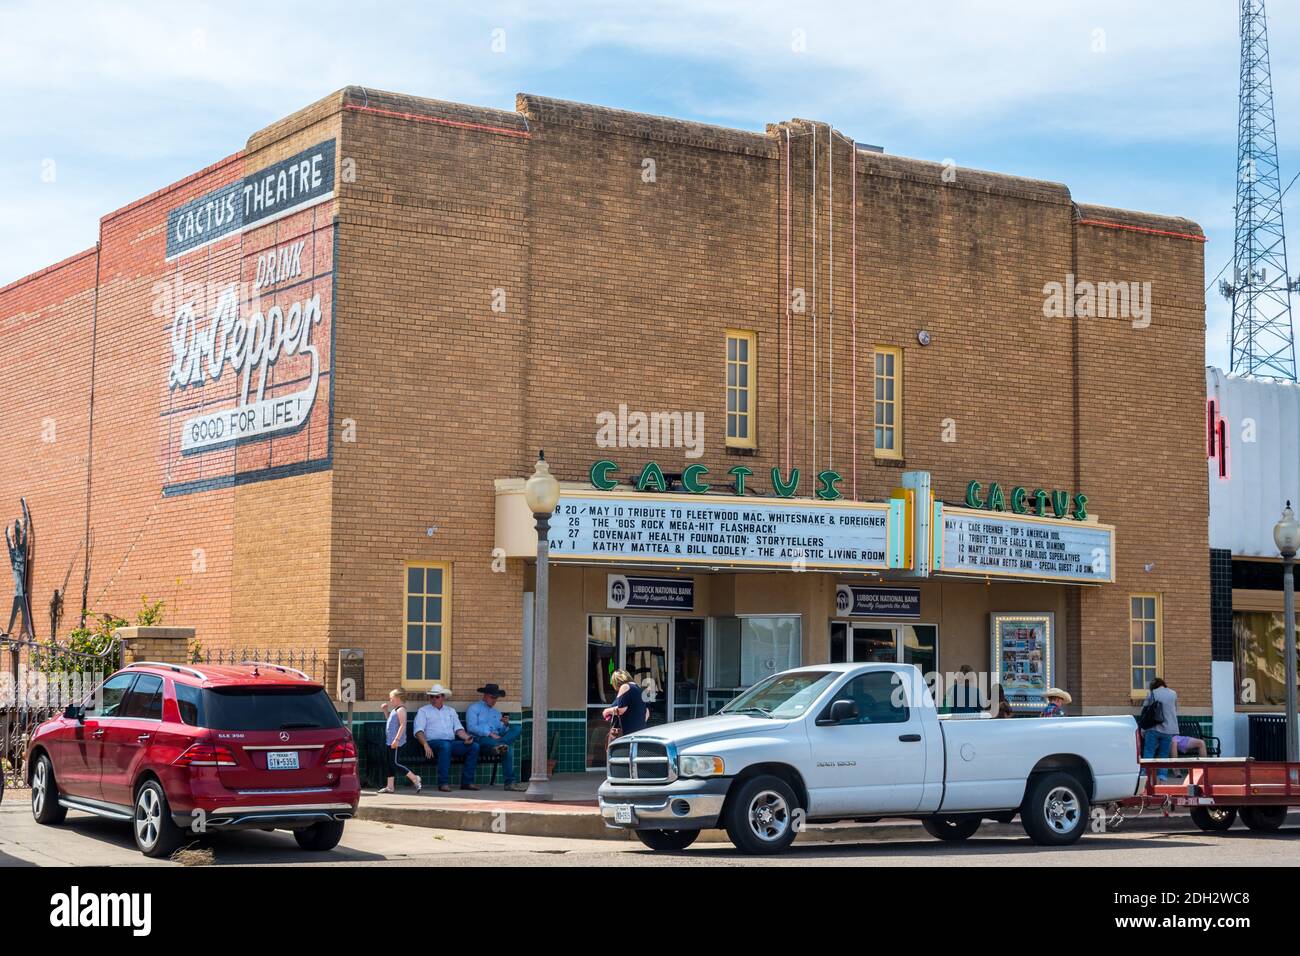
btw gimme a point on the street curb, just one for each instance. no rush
(588, 825)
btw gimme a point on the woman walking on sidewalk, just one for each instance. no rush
(394, 737)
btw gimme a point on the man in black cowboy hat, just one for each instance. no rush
(492, 730)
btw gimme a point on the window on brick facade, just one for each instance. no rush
(740, 389)
(1145, 641)
(427, 626)
(889, 403)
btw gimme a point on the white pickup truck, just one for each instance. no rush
(861, 742)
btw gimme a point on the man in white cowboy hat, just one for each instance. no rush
(438, 728)
(492, 730)
(1057, 701)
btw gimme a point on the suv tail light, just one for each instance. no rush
(343, 752)
(206, 755)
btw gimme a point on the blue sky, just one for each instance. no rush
(1130, 105)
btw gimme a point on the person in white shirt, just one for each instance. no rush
(438, 728)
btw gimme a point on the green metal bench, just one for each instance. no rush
(1200, 727)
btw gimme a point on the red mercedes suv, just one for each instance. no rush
(179, 750)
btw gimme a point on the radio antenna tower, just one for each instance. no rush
(1260, 290)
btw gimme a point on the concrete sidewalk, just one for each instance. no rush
(574, 814)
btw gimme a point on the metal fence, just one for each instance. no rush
(37, 680)
(309, 662)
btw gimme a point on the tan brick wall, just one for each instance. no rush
(618, 290)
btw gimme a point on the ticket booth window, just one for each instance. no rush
(747, 649)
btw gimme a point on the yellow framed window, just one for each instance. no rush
(427, 625)
(740, 389)
(889, 403)
(1145, 640)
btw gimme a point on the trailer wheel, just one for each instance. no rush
(951, 829)
(1213, 818)
(1263, 819)
(1055, 811)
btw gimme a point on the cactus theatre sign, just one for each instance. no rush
(249, 344)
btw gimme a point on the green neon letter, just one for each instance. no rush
(651, 475)
(599, 475)
(691, 482)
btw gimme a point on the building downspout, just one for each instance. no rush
(1074, 597)
(90, 435)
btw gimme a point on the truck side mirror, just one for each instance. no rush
(841, 711)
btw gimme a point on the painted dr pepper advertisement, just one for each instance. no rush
(1022, 658)
(250, 328)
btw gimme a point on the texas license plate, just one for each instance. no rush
(282, 760)
(623, 814)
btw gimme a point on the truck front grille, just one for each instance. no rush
(640, 761)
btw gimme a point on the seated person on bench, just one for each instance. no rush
(492, 730)
(438, 727)
(1194, 746)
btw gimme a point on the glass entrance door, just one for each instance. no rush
(688, 697)
(645, 650)
(892, 643)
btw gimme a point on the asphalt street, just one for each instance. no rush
(85, 840)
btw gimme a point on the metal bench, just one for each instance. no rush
(410, 754)
(1200, 727)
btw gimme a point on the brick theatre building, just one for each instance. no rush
(807, 401)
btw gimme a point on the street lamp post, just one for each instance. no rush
(542, 493)
(1286, 535)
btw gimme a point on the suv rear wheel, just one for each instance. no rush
(320, 836)
(45, 793)
(156, 834)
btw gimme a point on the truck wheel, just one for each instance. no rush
(667, 841)
(45, 793)
(760, 816)
(951, 829)
(1055, 812)
(1263, 819)
(320, 836)
(1213, 818)
(156, 834)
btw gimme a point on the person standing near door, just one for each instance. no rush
(1158, 739)
(628, 712)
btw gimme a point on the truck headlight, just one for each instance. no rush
(700, 766)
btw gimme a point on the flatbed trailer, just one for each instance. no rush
(1217, 790)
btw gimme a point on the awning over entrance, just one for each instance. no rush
(723, 531)
(909, 536)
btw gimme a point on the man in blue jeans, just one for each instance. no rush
(492, 730)
(1156, 741)
(438, 728)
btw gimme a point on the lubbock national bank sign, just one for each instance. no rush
(250, 350)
